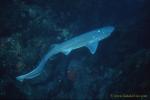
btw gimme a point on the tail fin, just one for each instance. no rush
(30, 75)
(37, 71)
(20, 78)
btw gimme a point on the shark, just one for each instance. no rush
(89, 39)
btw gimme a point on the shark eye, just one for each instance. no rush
(99, 31)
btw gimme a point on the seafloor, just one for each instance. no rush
(120, 68)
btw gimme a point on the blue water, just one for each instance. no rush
(119, 67)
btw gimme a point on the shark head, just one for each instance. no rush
(104, 32)
(107, 30)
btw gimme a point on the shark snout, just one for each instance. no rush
(108, 30)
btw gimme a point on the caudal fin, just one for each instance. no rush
(20, 78)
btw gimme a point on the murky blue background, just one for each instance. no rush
(120, 65)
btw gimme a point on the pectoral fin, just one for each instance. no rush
(92, 47)
(66, 52)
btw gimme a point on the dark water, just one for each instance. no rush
(118, 70)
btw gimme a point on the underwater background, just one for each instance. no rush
(120, 68)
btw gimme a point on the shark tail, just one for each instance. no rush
(38, 70)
